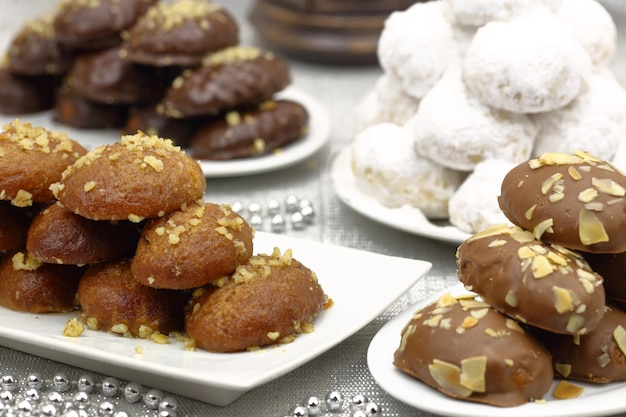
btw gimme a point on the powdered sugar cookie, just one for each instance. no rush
(386, 167)
(593, 26)
(475, 133)
(480, 12)
(417, 45)
(395, 105)
(595, 121)
(529, 64)
(474, 207)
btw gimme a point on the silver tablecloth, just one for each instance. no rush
(344, 367)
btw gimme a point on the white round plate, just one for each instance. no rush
(596, 400)
(406, 218)
(319, 132)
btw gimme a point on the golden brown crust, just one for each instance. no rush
(269, 300)
(466, 349)
(180, 32)
(111, 300)
(30, 286)
(14, 223)
(138, 177)
(56, 235)
(31, 159)
(192, 247)
(543, 285)
(577, 201)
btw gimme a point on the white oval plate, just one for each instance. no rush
(220, 378)
(596, 400)
(319, 132)
(406, 218)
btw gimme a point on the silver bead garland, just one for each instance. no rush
(62, 397)
(334, 405)
(276, 216)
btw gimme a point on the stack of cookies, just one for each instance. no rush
(172, 69)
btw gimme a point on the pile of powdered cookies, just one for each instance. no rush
(548, 297)
(472, 88)
(175, 69)
(123, 235)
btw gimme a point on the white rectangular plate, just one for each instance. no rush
(361, 284)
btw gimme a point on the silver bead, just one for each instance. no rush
(72, 413)
(256, 221)
(6, 396)
(167, 413)
(254, 208)
(297, 221)
(48, 410)
(24, 407)
(168, 404)
(308, 214)
(314, 405)
(132, 392)
(152, 399)
(105, 408)
(55, 398)
(81, 399)
(121, 414)
(86, 384)
(359, 413)
(299, 411)
(278, 224)
(60, 382)
(372, 409)
(358, 401)
(291, 203)
(110, 386)
(334, 400)
(237, 207)
(32, 394)
(8, 383)
(35, 381)
(305, 202)
(273, 206)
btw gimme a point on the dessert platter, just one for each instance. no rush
(596, 399)
(219, 378)
(316, 137)
(406, 218)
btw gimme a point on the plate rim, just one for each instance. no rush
(413, 219)
(389, 378)
(215, 387)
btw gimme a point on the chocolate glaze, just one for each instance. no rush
(21, 94)
(612, 267)
(518, 368)
(595, 356)
(254, 132)
(540, 284)
(580, 197)
(236, 77)
(76, 111)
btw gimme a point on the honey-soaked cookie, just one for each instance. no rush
(598, 356)
(31, 159)
(179, 32)
(56, 235)
(34, 287)
(228, 79)
(192, 247)
(88, 25)
(467, 350)
(269, 300)
(111, 300)
(543, 285)
(138, 177)
(14, 224)
(577, 201)
(253, 132)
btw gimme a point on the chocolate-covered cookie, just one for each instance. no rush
(226, 80)
(467, 350)
(612, 268)
(544, 285)
(74, 110)
(179, 32)
(598, 356)
(577, 201)
(90, 25)
(25, 94)
(146, 118)
(257, 131)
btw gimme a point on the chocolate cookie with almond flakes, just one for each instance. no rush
(577, 201)
(257, 131)
(543, 285)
